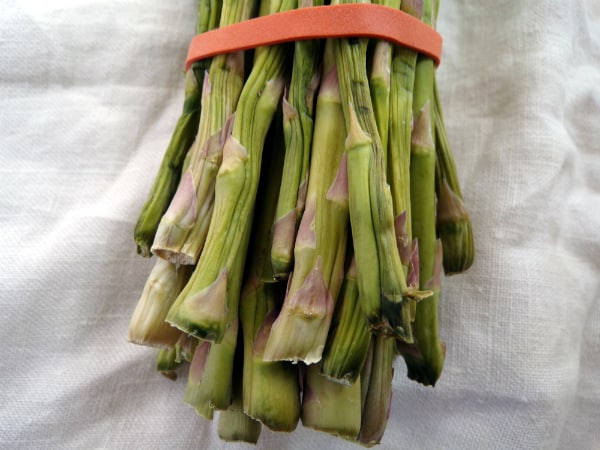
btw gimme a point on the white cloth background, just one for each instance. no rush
(89, 93)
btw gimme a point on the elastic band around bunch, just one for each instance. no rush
(362, 20)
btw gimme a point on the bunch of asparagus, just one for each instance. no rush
(302, 216)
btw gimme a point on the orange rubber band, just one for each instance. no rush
(365, 20)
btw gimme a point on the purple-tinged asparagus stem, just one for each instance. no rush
(195, 377)
(182, 235)
(428, 368)
(165, 183)
(298, 131)
(182, 230)
(220, 267)
(300, 331)
(425, 358)
(386, 302)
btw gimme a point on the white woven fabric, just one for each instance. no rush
(89, 94)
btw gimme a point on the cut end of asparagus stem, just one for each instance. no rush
(300, 331)
(235, 426)
(177, 222)
(203, 314)
(185, 348)
(167, 364)
(148, 326)
(273, 396)
(329, 406)
(454, 229)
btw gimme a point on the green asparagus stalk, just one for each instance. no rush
(377, 390)
(147, 325)
(300, 331)
(210, 378)
(385, 297)
(349, 337)
(234, 425)
(185, 223)
(273, 395)
(260, 297)
(209, 13)
(428, 368)
(453, 222)
(202, 309)
(184, 227)
(331, 407)
(165, 183)
(401, 121)
(298, 129)
(193, 391)
(380, 81)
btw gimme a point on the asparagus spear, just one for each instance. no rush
(380, 81)
(234, 425)
(376, 382)
(273, 391)
(165, 183)
(401, 120)
(349, 337)
(427, 368)
(260, 296)
(298, 128)
(202, 309)
(209, 384)
(300, 331)
(385, 297)
(453, 222)
(183, 229)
